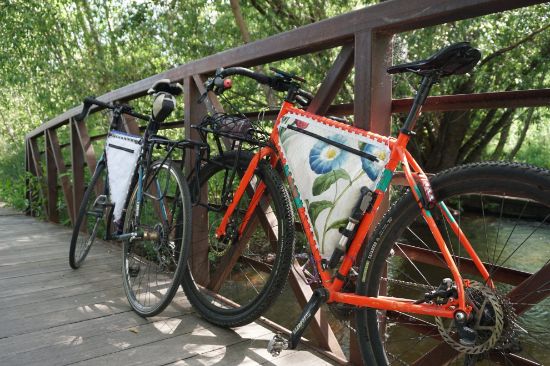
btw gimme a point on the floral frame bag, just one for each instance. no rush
(329, 165)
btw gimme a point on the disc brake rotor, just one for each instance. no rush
(488, 321)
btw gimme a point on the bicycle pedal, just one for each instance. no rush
(133, 270)
(276, 345)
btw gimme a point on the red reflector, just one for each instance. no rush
(227, 83)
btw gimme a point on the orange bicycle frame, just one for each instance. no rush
(334, 283)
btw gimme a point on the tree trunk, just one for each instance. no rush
(245, 34)
(504, 133)
(503, 121)
(521, 138)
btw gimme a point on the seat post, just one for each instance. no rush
(426, 84)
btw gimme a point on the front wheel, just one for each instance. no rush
(231, 282)
(154, 261)
(92, 218)
(504, 210)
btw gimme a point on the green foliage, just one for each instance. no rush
(54, 53)
(13, 176)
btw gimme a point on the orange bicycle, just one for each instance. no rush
(457, 269)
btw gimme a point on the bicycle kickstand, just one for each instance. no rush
(278, 343)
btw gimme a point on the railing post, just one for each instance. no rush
(37, 170)
(51, 135)
(372, 105)
(333, 82)
(77, 166)
(199, 248)
(28, 193)
(51, 180)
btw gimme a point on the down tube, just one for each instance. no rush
(245, 181)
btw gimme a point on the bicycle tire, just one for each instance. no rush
(476, 194)
(253, 301)
(152, 269)
(79, 249)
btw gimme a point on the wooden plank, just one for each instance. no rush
(334, 80)
(363, 81)
(504, 99)
(28, 169)
(64, 337)
(445, 103)
(212, 102)
(130, 125)
(253, 352)
(165, 349)
(37, 297)
(87, 147)
(63, 316)
(51, 136)
(391, 17)
(51, 266)
(372, 103)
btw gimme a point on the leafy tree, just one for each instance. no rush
(54, 53)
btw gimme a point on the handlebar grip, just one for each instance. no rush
(88, 102)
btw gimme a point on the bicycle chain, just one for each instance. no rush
(410, 284)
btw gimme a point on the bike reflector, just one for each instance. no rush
(122, 155)
(329, 162)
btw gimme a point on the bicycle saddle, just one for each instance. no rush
(458, 58)
(166, 86)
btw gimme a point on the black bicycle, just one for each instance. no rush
(138, 195)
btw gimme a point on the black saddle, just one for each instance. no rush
(164, 85)
(458, 58)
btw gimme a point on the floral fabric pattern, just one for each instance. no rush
(328, 179)
(324, 158)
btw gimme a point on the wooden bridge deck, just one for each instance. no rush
(52, 315)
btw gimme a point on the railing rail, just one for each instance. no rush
(365, 36)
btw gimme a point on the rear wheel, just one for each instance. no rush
(153, 265)
(504, 210)
(232, 282)
(91, 221)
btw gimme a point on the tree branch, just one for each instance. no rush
(514, 45)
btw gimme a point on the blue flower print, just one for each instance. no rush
(370, 167)
(324, 157)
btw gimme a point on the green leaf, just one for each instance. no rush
(323, 182)
(338, 224)
(315, 208)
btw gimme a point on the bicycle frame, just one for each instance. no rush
(143, 164)
(334, 283)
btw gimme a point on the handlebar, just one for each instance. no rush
(282, 82)
(122, 108)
